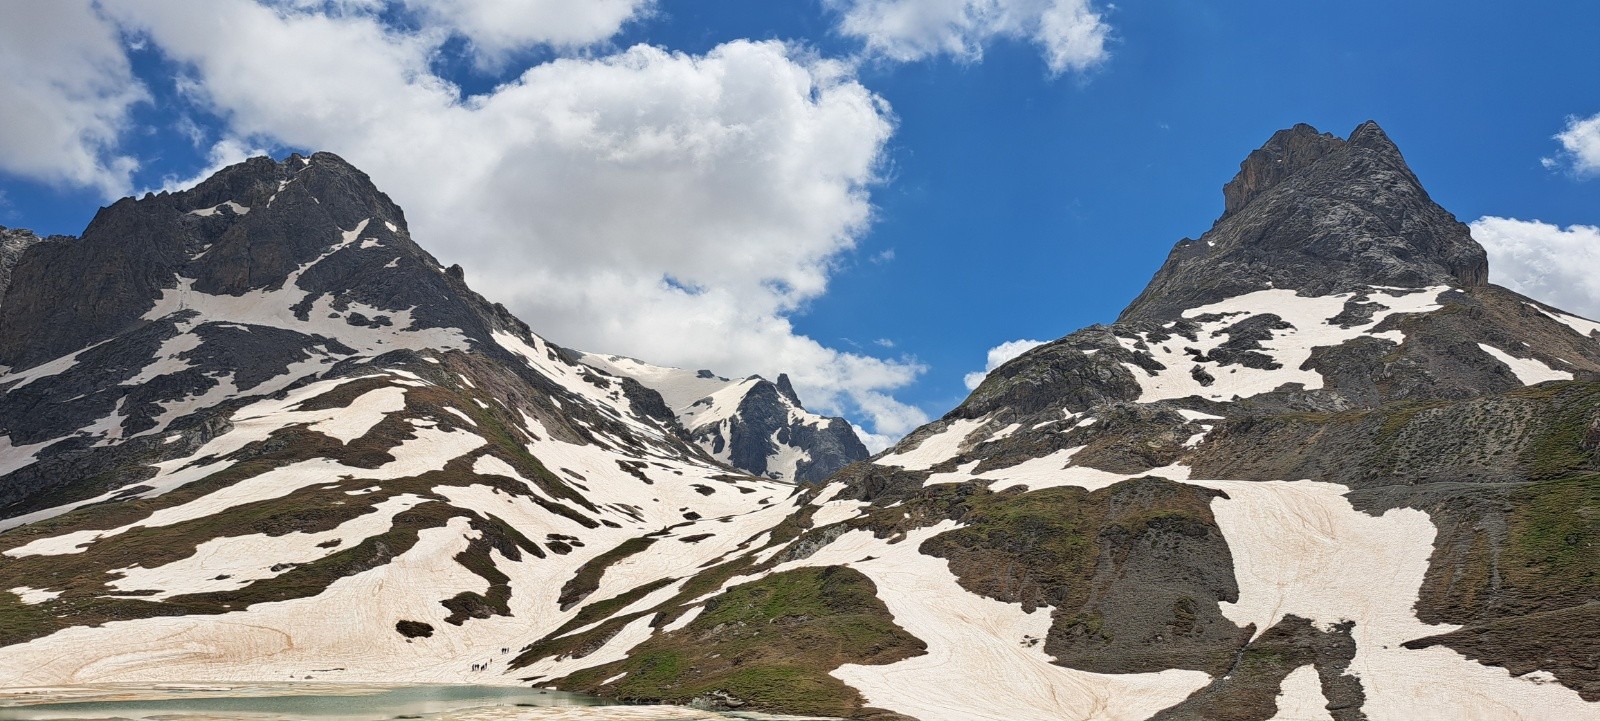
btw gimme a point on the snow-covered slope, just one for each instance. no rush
(307, 450)
(1346, 487)
(755, 425)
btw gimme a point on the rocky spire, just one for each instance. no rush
(787, 389)
(1314, 213)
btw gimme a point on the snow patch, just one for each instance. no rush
(1300, 697)
(1528, 370)
(1300, 548)
(835, 511)
(1585, 327)
(235, 207)
(34, 596)
(233, 562)
(934, 449)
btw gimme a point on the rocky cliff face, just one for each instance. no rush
(1312, 213)
(13, 241)
(1318, 469)
(755, 425)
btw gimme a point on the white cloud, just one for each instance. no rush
(998, 356)
(1071, 34)
(497, 27)
(662, 205)
(65, 91)
(225, 152)
(1560, 266)
(1580, 147)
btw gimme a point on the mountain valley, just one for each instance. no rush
(1320, 468)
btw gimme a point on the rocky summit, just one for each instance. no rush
(1319, 469)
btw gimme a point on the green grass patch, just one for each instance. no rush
(1553, 540)
(769, 643)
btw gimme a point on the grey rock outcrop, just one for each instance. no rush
(1314, 213)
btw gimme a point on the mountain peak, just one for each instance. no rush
(1288, 151)
(1317, 214)
(1370, 135)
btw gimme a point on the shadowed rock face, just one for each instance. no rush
(1317, 214)
(13, 242)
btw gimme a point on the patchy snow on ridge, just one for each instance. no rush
(709, 407)
(275, 309)
(1289, 347)
(679, 387)
(933, 449)
(233, 562)
(718, 407)
(1048, 471)
(235, 207)
(255, 422)
(1585, 327)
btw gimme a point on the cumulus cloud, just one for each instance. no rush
(497, 27)
(67, 88)
(1070, 34)
(1580, 147)
(668, 206)
(1560, 266)
(998, 356)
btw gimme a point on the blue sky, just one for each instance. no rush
(964, 196)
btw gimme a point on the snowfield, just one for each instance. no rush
(1301, 548)
(1298, 548)
(984, 660)
(347, 631)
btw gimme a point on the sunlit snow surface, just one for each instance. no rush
(346, 632)
(1300, 697)
(190, 310)
(1583, 326)
(1298, 548)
